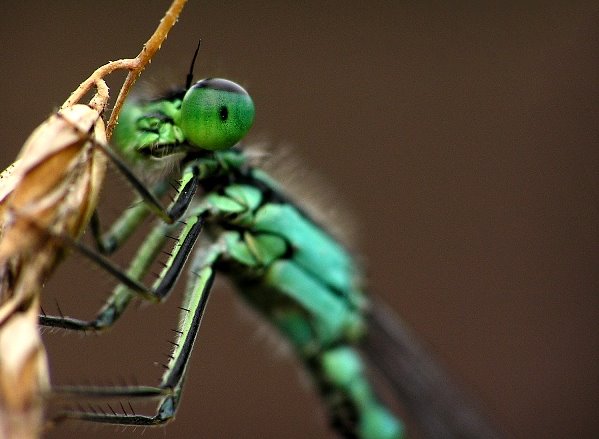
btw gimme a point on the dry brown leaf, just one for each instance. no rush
(50, 191)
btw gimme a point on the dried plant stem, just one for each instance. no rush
(54, 185)
(134, 65)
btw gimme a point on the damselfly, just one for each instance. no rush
(71, 311)
(285, 264)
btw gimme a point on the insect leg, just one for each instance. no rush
(127, 223)
(130, 220)
(150, 199)
(130, 286)
(172, 381)
(184, 197)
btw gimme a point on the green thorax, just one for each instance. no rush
(274, 251)
(248, 201)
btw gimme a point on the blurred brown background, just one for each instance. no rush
(462, 136)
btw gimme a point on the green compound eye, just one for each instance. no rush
(216, 114)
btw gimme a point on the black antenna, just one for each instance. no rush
(189, 78)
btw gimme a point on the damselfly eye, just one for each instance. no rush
(216, 114)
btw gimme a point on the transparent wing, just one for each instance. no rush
(432, 402)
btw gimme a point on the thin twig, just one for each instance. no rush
(134, 65)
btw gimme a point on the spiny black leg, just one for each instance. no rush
(130, 286)
(151, 200)
(131, 218)
(178, 207)
(172, 381)
(186, 194)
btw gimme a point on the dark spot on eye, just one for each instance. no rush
(220, 84)
(223, 113)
